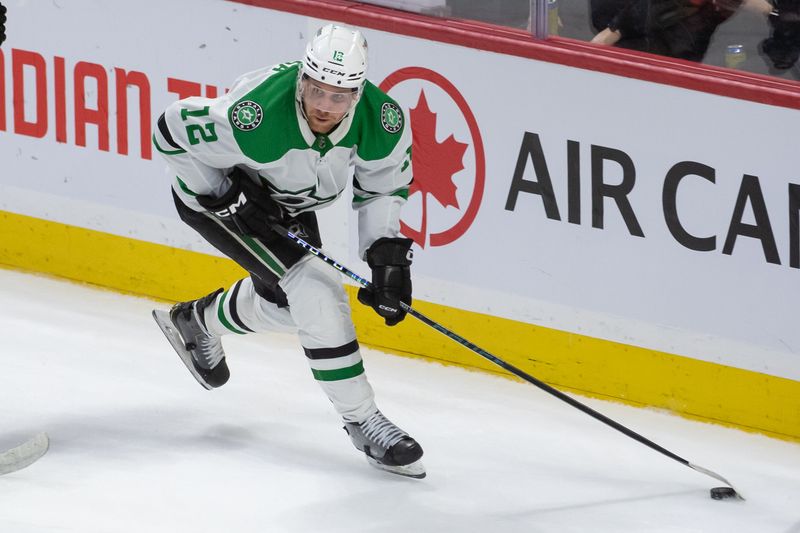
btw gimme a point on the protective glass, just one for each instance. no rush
(330, 101)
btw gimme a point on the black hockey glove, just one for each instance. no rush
(2, 23)
(389, 259)
(245, 208)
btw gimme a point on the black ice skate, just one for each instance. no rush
(387, 446)
(199, 350)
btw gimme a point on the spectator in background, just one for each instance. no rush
(673, 28)
(2, 23)
(782, 47)
(620, 22)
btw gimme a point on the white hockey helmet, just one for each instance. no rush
(337, 55)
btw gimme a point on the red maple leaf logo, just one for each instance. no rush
(435, 164)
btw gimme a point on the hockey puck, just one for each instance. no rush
(722, 493)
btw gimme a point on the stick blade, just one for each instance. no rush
(25, 454)
(718, 493)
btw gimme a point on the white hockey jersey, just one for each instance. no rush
(259, 127)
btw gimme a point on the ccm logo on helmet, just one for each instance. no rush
(334, 72)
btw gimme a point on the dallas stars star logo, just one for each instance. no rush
(391, 117)
(246, 115)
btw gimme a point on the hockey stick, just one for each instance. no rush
(25, 454)
(720, 492)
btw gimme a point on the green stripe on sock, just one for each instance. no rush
(339, 374)
(221, 315)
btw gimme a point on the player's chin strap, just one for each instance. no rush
(499, 362)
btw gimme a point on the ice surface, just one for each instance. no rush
(137, 446)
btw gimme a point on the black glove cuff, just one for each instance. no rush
(390, 251)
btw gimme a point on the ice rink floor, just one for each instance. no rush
(137, 446)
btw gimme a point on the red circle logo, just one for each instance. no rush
(436, 163)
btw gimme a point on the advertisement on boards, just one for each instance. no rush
(612, 207)
(581, 201)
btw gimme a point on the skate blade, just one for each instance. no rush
(415, 469)
(174, 338)
(25, 454)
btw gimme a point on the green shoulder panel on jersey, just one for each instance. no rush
(263, 121)
(378, 124)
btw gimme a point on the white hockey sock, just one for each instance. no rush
(241, 310)
(321, 310)
(343, 380)
(352, 398)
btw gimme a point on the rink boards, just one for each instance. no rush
(613, 236)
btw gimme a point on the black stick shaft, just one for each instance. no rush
(499, 362)
(542, 385)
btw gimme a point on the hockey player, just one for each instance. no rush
(280, 145)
